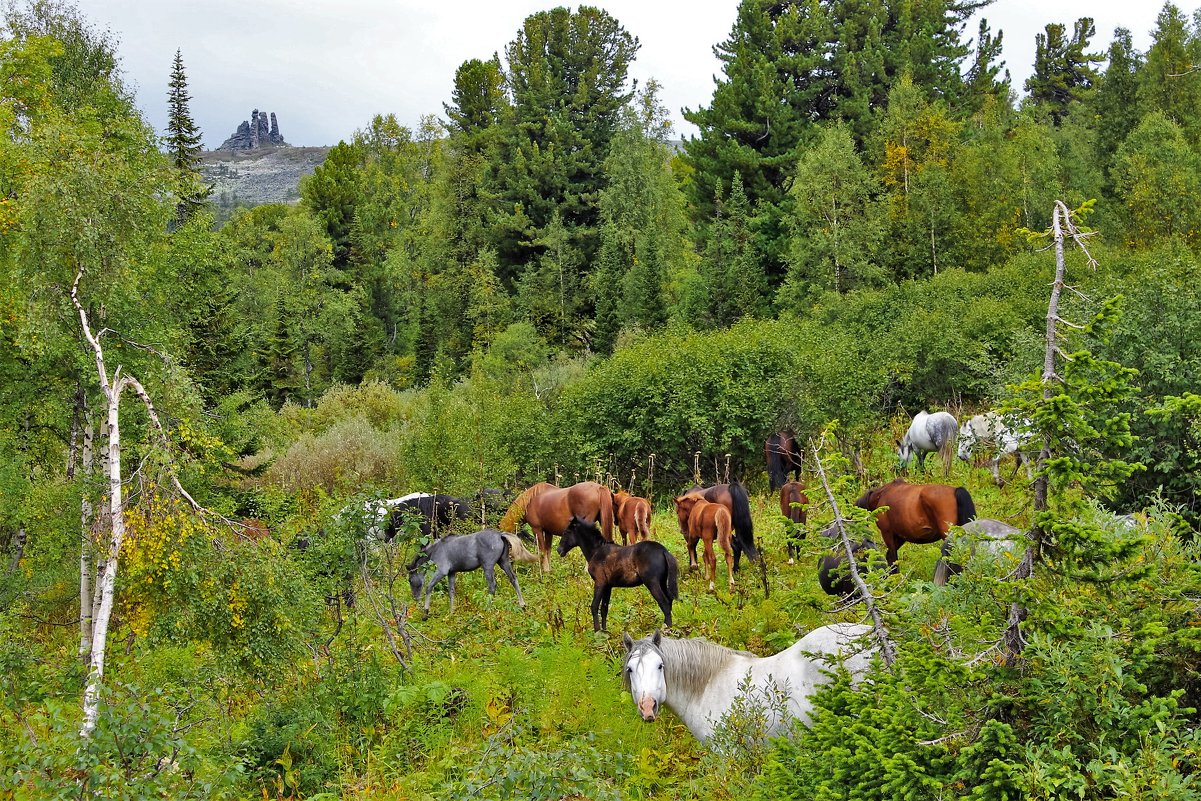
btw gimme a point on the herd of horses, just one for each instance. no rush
(691, 675)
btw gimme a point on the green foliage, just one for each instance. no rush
(1063, 71)
(1155, 174)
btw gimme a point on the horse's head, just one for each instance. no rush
(684, 505)
(417, 574)
(904, 452)
(643, 674)
(967, 441)
(577, 533)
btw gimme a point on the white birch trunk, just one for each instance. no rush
(85, 549)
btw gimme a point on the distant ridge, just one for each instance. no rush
(245, 178)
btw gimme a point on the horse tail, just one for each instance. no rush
(606, 514)
(775, 462)
(673, 569)
(517, 551)
(744, 529)
(516, 514)
(965, 507)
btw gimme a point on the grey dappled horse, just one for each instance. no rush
(460, 554)
(929, 433)
(992, 434)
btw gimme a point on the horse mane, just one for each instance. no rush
(516, 511)
(692, 663)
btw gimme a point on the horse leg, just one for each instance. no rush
(710, 563)
(892, 545)
(725, 546)
(490, 576)
(995, 464)
(655, 585)
(450, 581)
(506, 564)
(543, 540)
(597, 592)
(692, 541)
(737, 553)
(605, 607)
(429, 587)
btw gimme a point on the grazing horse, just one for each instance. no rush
(833, 571)
(633, 516)
(918, 513)
(647, 563)
(991, 434)
(734, 498)
(784, 454)
(548, 511)
(929, 433)
(985, 535)
(701, 680)
(793, 505)
(701, 520)
(437, 513)
(461, 553)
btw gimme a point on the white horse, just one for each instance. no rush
(700, 680)
(929, 433)
(991, 432)
(985, 536)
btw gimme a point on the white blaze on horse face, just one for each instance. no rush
(647, 685)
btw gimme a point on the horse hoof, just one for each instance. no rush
(792, 561)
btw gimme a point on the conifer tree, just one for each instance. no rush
(184, 143)
(1116, 99)
(1063, 70)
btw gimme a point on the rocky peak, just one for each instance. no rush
(258, 131)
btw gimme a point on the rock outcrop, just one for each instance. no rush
(258, 132)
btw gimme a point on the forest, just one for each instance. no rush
(540, 283)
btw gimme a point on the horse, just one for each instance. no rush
(833, 574)
(701, 520)
(437, 513)
(985, 534)
(929, 433)
(700, 680)
(647, 563)
(633, 516)
(462, 553)
(783, 454)
(548, 511)
(991, 432)
(918, 513)
(793, 503)
(732, 496)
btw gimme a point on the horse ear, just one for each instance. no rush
(657, 638)
(627, 641)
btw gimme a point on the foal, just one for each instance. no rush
(459, 554)
(610, 565)
(702, 520)
(633, 516)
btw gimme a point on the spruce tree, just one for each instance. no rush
(184, 143)
(1063, 70)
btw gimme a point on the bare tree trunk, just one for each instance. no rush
(888, 650)
(85, 545)
(1061, 228)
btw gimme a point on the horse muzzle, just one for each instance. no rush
(649, 708)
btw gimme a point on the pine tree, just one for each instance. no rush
(184, 143)
(1115, 103)
(1063, 70)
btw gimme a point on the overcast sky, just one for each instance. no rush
(327, 66)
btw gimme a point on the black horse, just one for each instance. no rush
(437, 513)
(647, 563)
(784, 454)
(833, 569)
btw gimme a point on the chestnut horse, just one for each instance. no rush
(734, 498)
(783, 454)
(918, 513)
(633, 516)
(793, 504)
(701, 520)
(548, 510)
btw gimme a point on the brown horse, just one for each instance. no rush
(700, 521)
(734, 498)
(646, 563)
(548, 510)
(633, 516)
(783, 454)
(918, 513)
(793, 505)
